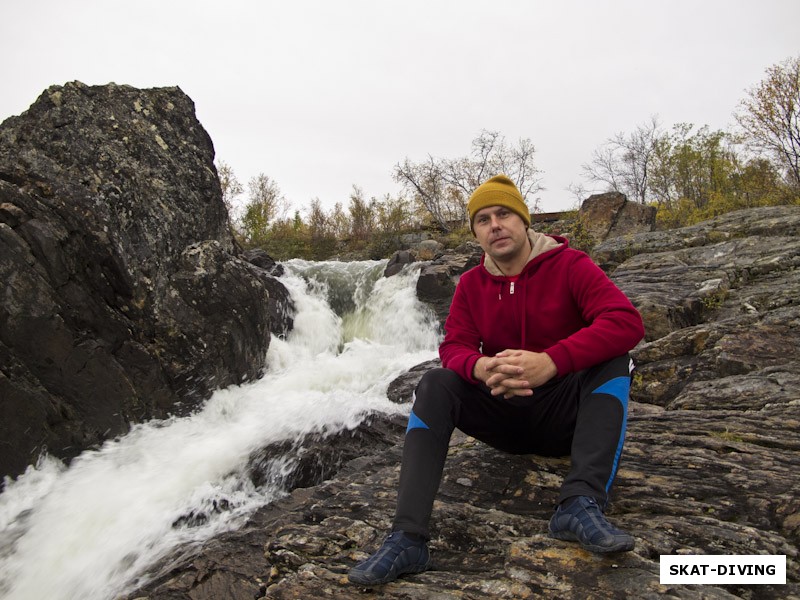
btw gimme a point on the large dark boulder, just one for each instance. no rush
(123, 298)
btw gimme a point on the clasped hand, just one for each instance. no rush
(515, 372)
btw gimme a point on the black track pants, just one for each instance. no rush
(583, 415)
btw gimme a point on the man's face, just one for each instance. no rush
(501, 233)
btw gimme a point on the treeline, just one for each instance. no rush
(689, 173)
(433, 196)
(368, 228)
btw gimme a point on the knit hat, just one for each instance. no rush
(498, 191)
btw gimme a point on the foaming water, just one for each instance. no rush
(87, 531)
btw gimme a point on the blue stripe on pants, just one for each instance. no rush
(414, 422)
(620, 388)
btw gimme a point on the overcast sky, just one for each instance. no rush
(321, 95)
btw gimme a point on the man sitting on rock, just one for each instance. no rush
(536, 361)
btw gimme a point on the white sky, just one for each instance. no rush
(324, 94)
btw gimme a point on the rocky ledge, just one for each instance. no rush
(710, 465)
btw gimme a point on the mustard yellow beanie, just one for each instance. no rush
(498, 191)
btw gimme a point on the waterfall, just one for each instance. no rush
(89, 530)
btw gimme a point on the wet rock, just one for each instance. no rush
(401, 389)
(439, 277)
(261, 259)
(316, 457)
(124, 298)
(280, 307)
(397, 261)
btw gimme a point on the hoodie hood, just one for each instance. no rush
(540, 244)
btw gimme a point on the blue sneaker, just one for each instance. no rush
(398, 555)
(582, 521)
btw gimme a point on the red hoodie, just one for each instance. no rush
(561, 303)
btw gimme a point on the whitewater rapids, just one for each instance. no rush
(90, 530)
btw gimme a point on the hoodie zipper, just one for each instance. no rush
(510, 290)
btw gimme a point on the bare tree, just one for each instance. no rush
(442, 186)
(465, 174)
(624, 162)
(579, 192)
(427, 184)
(770, 117)
(605, 167)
